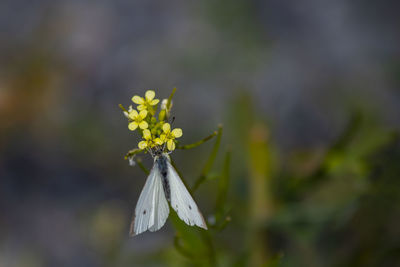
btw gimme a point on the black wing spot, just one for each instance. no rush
(144, 212)
(190, 207)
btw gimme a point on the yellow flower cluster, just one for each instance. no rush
(147, 102)
(156, 133)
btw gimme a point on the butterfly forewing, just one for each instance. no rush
(152, 209)
(182, 202)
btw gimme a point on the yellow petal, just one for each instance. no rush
(132, 126)
(138, 100)
(143, 125)
(142, 144)
(150, 94)
(141, 107)
(154, 102)
(143, 113)
(166, 127)
(170, 145)
(146, 134)
(158, 141)
(163, 137)
(133, 114)
(177, 132)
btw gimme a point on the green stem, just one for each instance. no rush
(170, 98)
(190, 146)
(122, 107)
(198, 182)
(223, 185)
(210, 161)
(214, 152)
(211, 249)
(133, 152)
(142, 167)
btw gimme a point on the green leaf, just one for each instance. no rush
(210, 162)
(223, 185)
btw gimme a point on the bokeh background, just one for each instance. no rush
(308, 169)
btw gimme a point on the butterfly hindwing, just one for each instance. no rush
(152, 209)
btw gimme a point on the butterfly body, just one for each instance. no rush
(161, 162)
(162, 186)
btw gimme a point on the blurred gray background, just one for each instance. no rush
(66, 194)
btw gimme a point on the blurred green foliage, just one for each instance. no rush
(336, 206)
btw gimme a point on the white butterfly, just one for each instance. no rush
(164, 184)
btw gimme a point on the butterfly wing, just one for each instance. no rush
(152, 209)
(182, 202)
